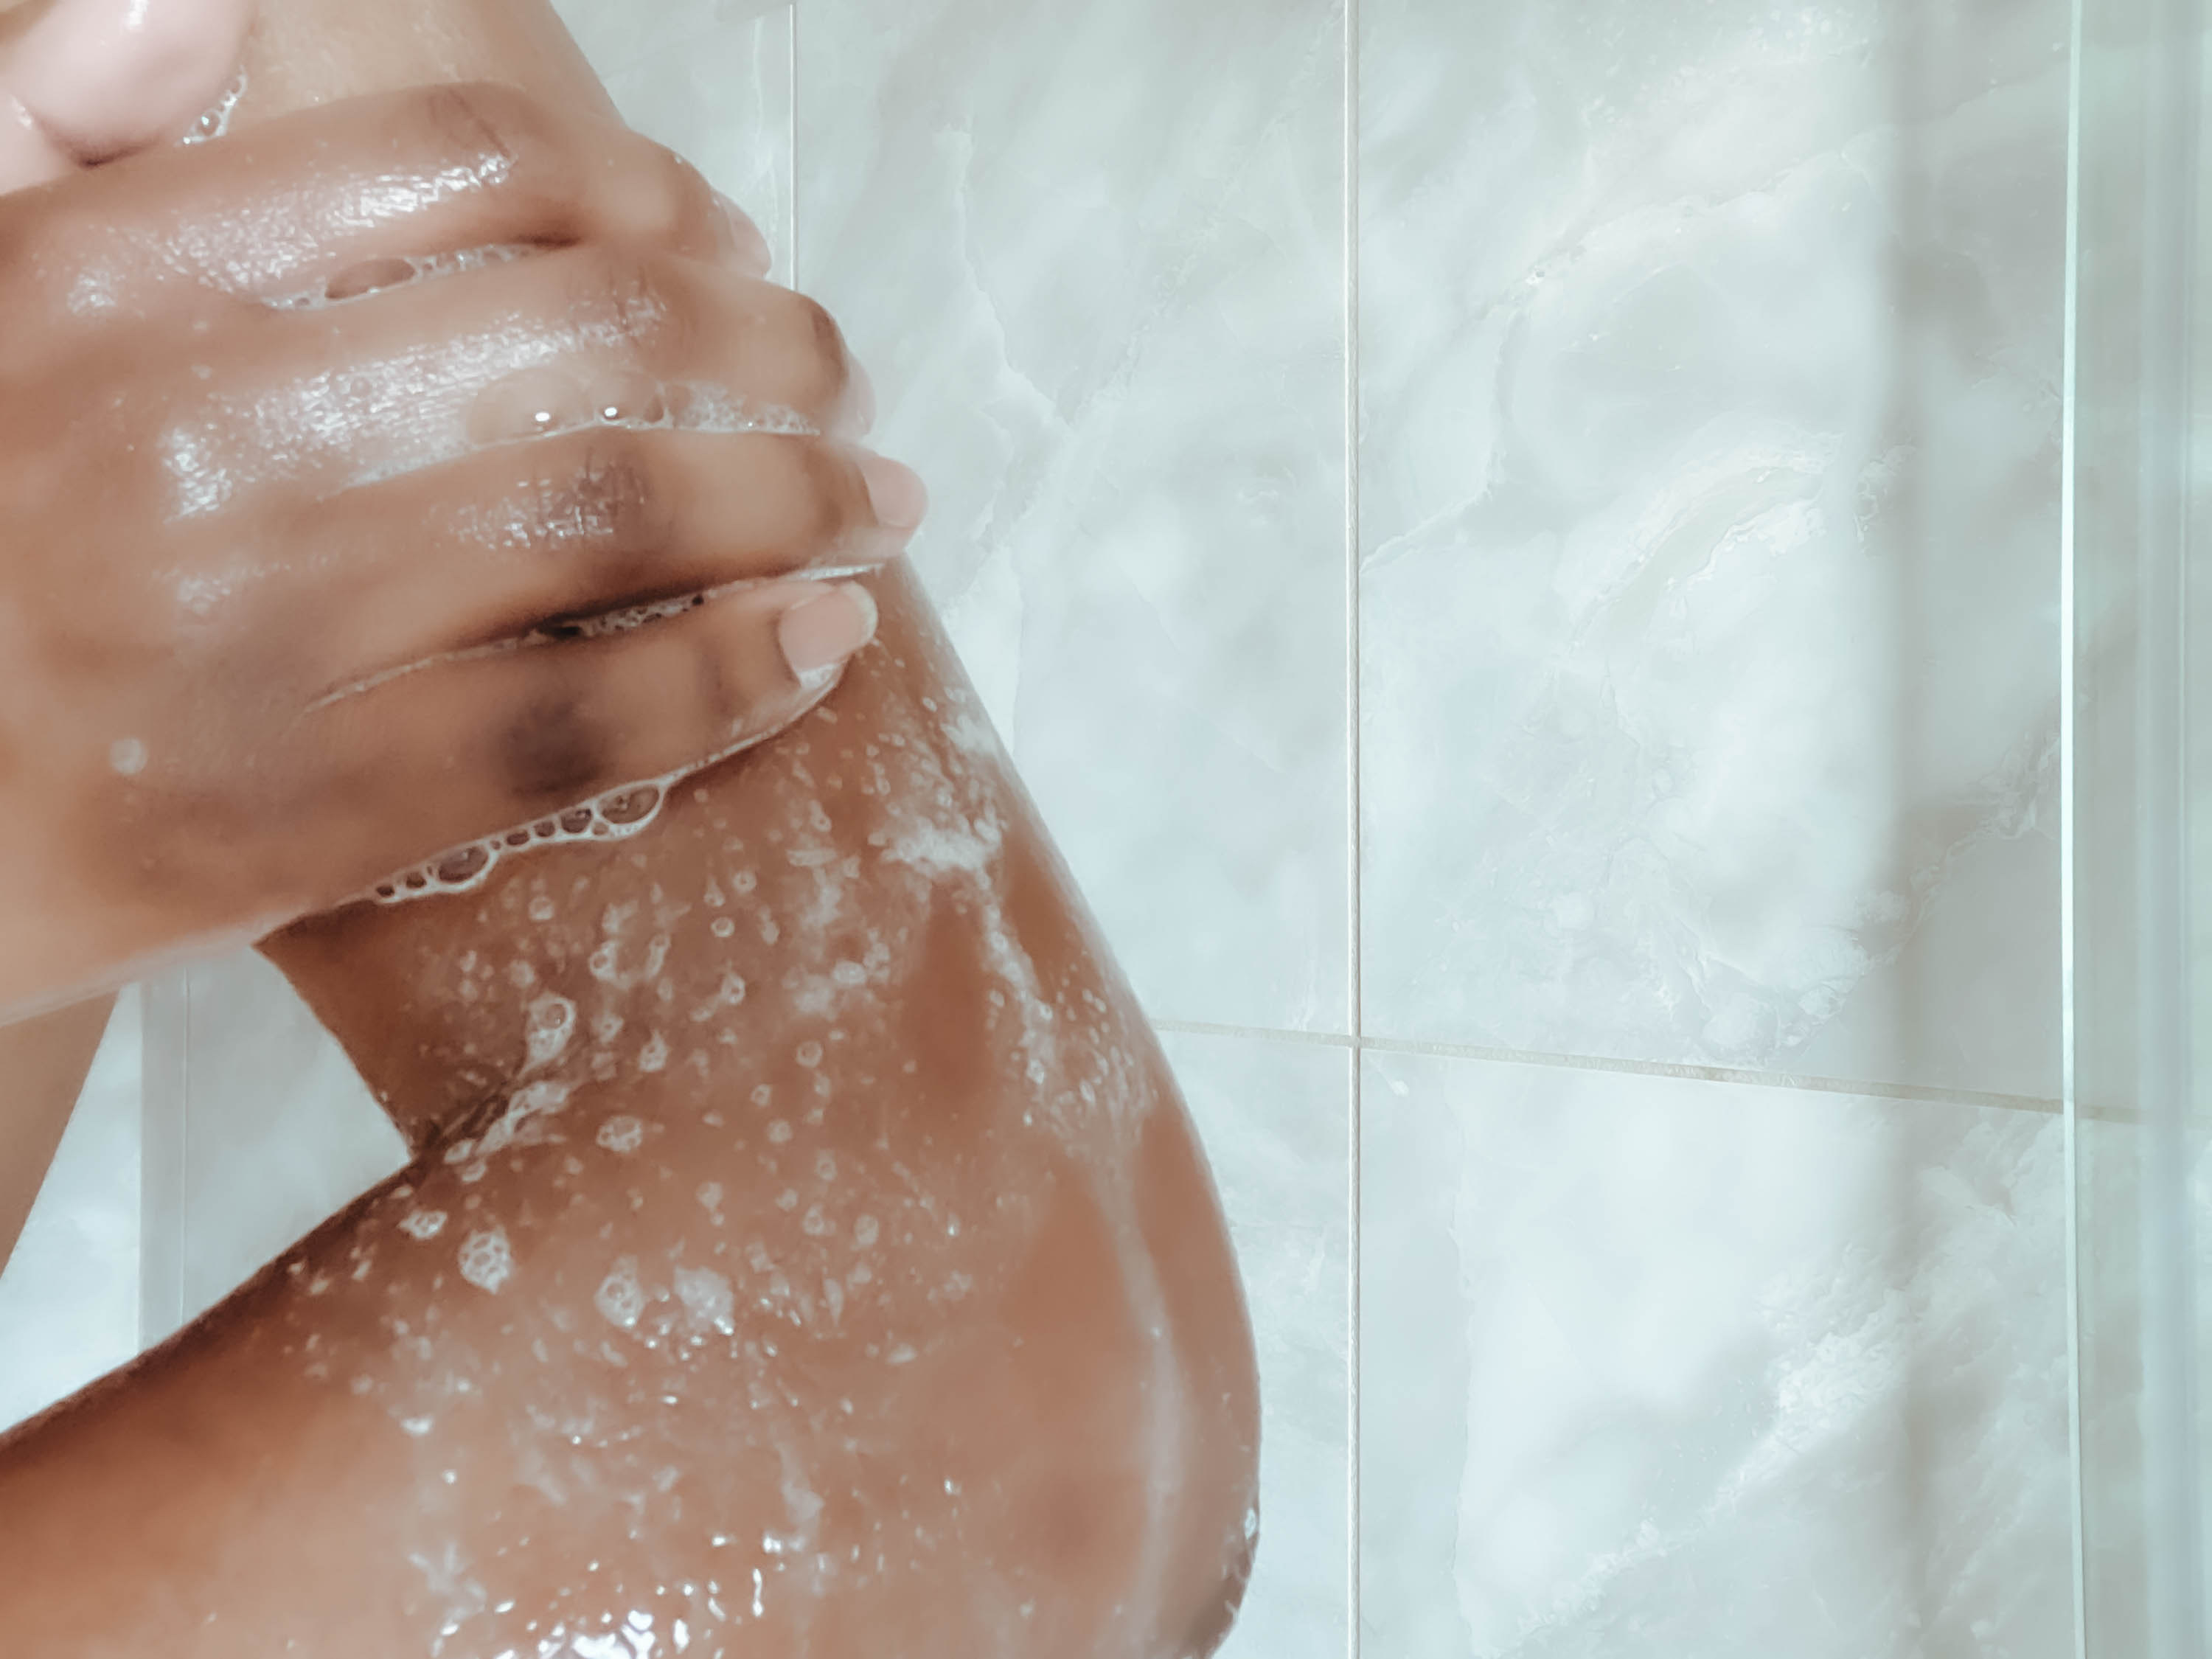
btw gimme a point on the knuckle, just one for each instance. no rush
(627, 296)
(493, 126)
(824, 508)
(722, 702)
(613, 498)
(551, 749)
(507, 141)
(822, 367)
(673, 204)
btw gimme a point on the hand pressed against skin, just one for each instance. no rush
(86, 81)
(279, 506)
(808, 1257)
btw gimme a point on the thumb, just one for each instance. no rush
(91, 80)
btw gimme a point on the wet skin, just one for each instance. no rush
(85, 81)
(808, 1243)
(260, 554)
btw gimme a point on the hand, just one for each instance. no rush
(285, 475)
(85, 81)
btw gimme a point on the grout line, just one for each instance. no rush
(2066, 623)
(165, 1129)
(1262, 1033)
(1787, 1080)
(791, 153)
(1355, 873)
(1355, 941)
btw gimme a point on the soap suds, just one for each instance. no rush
(622, 1134)
(487, 1261)
(620, 1297)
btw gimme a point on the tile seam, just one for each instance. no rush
(1355, 941)
(1784, 1081)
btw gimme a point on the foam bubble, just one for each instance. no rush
(550, 1021)
(622, 1134)
(615, 815)
(620, 1298)
(216, 122)
(707, 1297)
(374, 276)
(487, 1261)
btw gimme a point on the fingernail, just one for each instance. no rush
(898, 496)
(819, 634)
(752, 246)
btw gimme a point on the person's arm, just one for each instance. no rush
(808, 1255)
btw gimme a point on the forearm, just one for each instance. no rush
(811, 1239)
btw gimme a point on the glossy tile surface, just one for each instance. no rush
(711, 79)
(1276, 1121)
(1710, 373)
(1093, 256)
(1657, 1366)
(1708, 385)
(280, 1132)
(68, 1296)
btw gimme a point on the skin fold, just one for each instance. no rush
(83, 80)
(808, 1253)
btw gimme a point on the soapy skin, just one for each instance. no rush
(287, 465)
(86, 81)
(807, 1255)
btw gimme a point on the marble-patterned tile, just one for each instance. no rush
(1657, 1366)
(711, 79)
(1275, 1119)
(1092, 256)
(1709, 364)
(69, 1297)
(281, 1132)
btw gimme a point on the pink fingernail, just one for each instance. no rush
(899, 498)
(819, 634)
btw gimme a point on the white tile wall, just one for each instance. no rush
(69, 1297)
(1277, 1117)
(1703, 596)
(1657, 1366)
(1093, 255)
(1710, 486)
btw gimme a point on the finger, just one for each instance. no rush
(469, 750)
(104, 77)
(537, 344)
(350, 193)
(28, 154)
(493, 546)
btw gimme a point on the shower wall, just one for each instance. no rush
(1517, 549)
